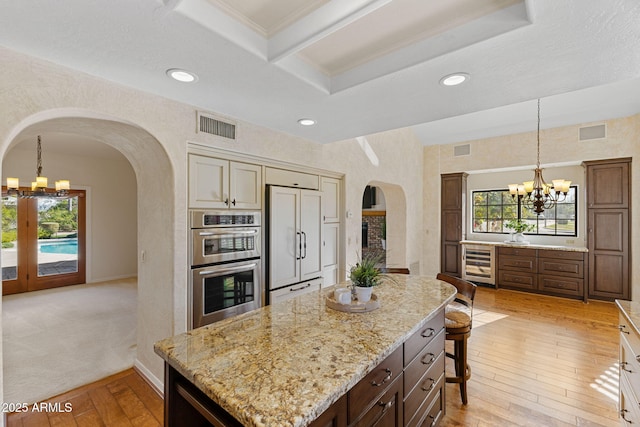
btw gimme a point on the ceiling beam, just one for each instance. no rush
(320, 23)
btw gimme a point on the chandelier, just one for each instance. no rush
(39, 186)
(537, 195)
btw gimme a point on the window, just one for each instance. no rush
(493, 208)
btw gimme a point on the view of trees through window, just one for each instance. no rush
(492, 209)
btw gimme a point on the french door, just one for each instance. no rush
(43, 242)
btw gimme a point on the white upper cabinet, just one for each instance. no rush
(331, 199)
(221, 184)
(245, 185)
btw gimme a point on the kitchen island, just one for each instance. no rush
(288, 363)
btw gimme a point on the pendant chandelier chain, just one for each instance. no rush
(39, 154)
(538, 164)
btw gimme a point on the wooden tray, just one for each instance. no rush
(355, 306)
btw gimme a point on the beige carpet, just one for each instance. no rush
(59, 339)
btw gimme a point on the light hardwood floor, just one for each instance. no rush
(539, 361)
(535, 360)
(121, 400)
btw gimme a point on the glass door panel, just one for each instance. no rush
(57, 236)
(9, 238)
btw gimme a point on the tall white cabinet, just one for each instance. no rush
(331, 230)
(295, 236)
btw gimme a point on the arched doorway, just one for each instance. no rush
(384, 219)
(155, 215)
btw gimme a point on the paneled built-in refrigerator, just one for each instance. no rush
(294, 242)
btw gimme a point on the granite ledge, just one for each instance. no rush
(526, 246)
(285, 364)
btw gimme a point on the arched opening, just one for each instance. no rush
(384, 223)
(150, 251)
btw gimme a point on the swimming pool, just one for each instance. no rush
(68, 247)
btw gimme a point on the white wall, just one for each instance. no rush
(112, 212)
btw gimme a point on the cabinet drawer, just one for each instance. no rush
(422, 337)
(517, 280)
(296, 290)
(561, 267)
(425, 385)
(629, 363)
(387, 410)
(425, 360)
(517, 252)
(561, 285)
(629, 332)
(517, 263)
(374, 384)
(553, 254)
(629, 405)
(430, 410)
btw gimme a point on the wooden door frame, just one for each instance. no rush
(27, 279)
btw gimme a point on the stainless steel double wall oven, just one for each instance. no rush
(225, 265)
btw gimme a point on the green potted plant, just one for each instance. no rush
(365, 275)
(518, 226)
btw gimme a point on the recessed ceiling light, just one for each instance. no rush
(182, 75)
(454, 79)
(307, 122)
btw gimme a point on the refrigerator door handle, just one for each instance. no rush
(305, 244)
(299, 252)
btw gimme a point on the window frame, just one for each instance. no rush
(519, 211)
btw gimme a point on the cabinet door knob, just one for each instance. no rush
(384, 380)
(623, 366)
(621, 329)
(433, 383)
(428, 333)
(233, 202)
(226, 202)
(431, 358)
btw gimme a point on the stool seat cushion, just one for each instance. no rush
(457, 316)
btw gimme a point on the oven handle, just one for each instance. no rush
(223, 232)
(228, 270)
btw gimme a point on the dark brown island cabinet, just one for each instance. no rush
(608, 228)
(406, 389)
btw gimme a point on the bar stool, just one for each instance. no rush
(458, 320)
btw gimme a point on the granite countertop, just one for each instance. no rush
(630, 310)
(527, 246)
(285, 364)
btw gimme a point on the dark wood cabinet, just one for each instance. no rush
(550, 272)
(453, 188)
(608, 228)
(335, 416)
(406, 389)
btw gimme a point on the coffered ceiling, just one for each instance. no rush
(355, 66)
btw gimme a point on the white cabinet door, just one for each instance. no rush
(331, 235)
(208, 182)
(331, 199)
(245, 182)
(284, 236)
(311, 233)
(221, 184)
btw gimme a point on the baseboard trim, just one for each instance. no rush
(156, 384)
